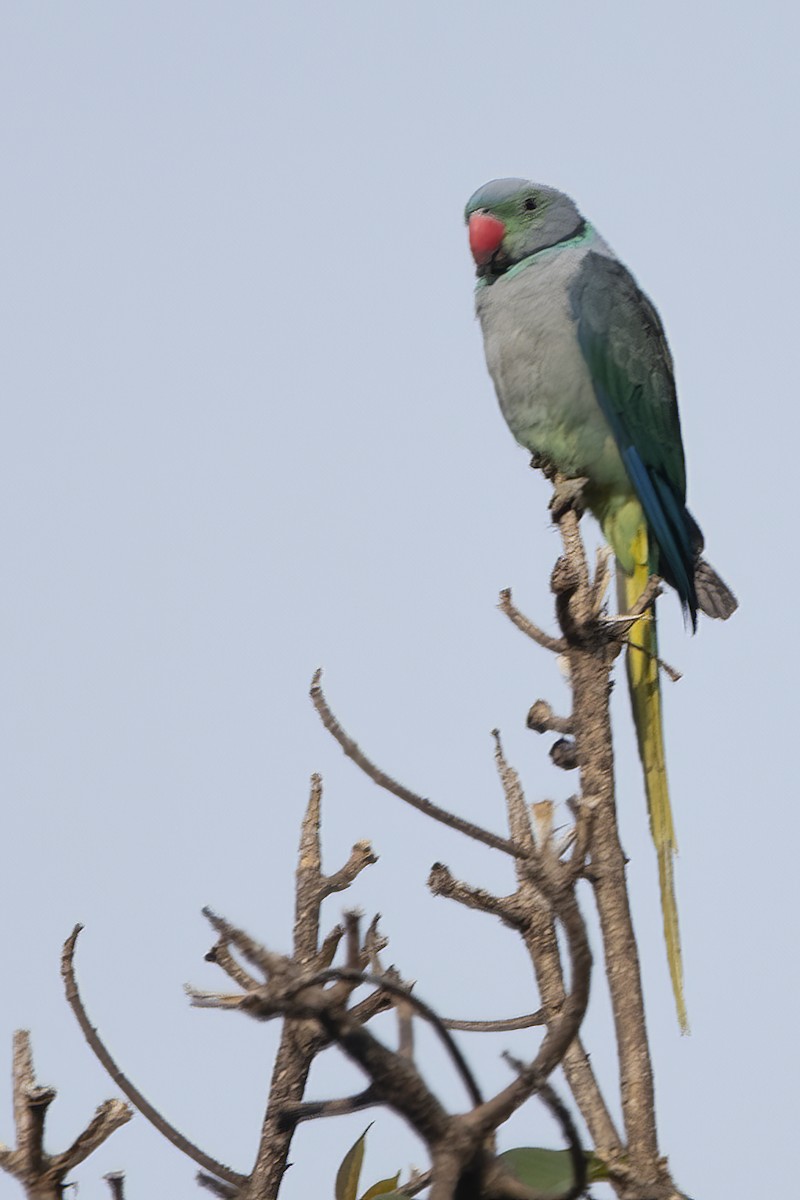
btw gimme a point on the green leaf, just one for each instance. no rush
(385, 1187)
(349, 1172)
(550, 1170)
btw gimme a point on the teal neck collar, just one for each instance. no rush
(584, 233)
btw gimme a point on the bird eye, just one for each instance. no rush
(530, 203)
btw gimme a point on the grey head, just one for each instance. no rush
(510, 219)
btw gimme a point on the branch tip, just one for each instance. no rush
(354, 752)
(136, 1098)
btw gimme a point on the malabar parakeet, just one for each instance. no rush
(584, 376)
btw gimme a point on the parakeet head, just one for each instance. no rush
(509, 219)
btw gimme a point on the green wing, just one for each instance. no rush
(623, 342)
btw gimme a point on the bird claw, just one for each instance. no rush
(540, 462)
(568, 494)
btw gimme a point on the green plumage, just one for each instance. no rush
(585, 379)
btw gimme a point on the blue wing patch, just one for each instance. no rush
(666, 515)
(623, 342)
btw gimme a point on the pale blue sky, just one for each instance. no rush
(247, 430)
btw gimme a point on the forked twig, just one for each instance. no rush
(41, 1174)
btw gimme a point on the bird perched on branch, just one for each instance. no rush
(585, 381)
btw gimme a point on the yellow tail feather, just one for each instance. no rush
(643, 680)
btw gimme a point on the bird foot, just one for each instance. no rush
(540, 462)
(568, 494)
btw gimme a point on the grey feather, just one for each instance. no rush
(714, 597)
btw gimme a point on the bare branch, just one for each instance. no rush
(550, 1098)
(564, 755)
(42, 1175)
(542, 813)
(417, 1182)
(563, 1027)
(442, 883)
(602, 577)
(218, 1187)
(374, 942)
(516, 808)
(109, 1116)
(310, 1110)
(116, 1183)
(554, 644)
(542, 719)
(255, 953)
(394, 1079)
(300, 1042)
(405, 1029)
(528, 1021)
(548, 878)
(532, 829)
(423, 1009)
(327, 951)
(123, 1083)
(352, 934)
(293, 992)
(31, 1103)
(316, 999)
(672, 673)
(361, 856)
(220, 955)
(308, 894)
(589, 658)
(540, 938)
(376, 1002)
(386, 782)
(584, 809)
(652, 589)
(530, 912)
(567, 517)
(559, 1110)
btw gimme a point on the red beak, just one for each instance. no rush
(485, 235)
